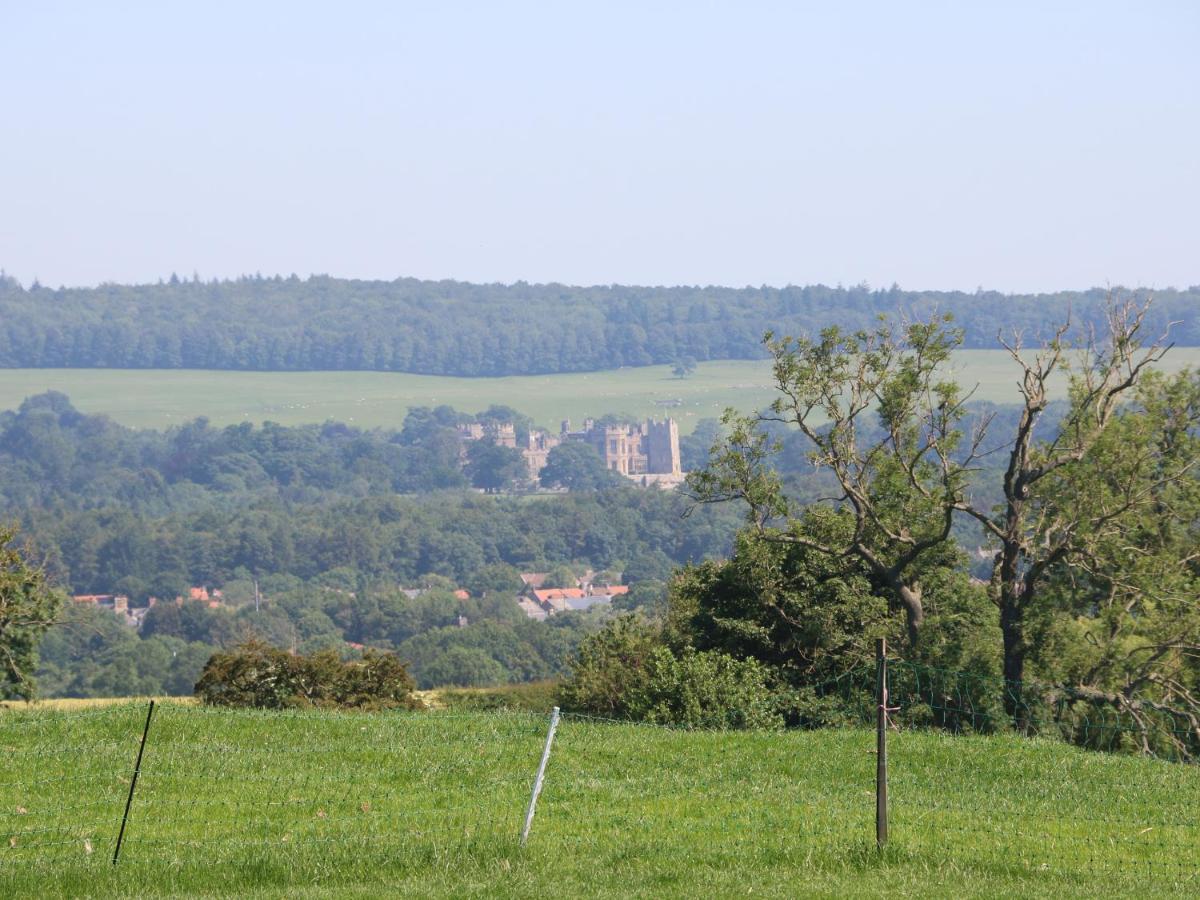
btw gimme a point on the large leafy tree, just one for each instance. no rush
(807, 615)
(28, 607)
(494, 468)
(576, 466)
(1041, 524)
(889, 429)
(882, 419)
(1121, 621)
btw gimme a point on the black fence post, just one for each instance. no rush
(137, 767)
(881, 722)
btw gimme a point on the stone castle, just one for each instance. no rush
(647, 453)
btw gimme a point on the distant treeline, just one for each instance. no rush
(455, 328)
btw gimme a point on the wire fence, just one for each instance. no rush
(219, 786)
(215, 783)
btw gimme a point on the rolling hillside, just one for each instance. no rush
(161, 398)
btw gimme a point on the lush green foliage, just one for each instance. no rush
(576, 466)
(878, 412)
(90, 653)
(624, 671)
(390, 539)
(1093, 540)
(1119, 616)
(311, 514)
(793, 609)
(27, 608)
(463, 329)
(795, 620)
(708, 689)
(494, 468)
(260, 676)
(609, 667)
(50, 453)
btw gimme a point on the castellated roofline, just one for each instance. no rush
(647, 452)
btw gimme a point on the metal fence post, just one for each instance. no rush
(541, 774)
(137, 767)
(881, 722)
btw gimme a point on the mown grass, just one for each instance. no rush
(146, 398)
(430, 804)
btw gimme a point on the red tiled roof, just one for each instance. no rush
(462, 595)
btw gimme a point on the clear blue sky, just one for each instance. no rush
(1018, 146)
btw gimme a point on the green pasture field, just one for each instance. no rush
(256, 804)
(146, 398)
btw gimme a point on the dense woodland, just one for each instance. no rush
(52, 456)
(455, 328)
(331, 522)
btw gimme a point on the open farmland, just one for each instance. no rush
(323, 804)
(147, 398)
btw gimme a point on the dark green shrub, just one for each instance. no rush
(704, 690)
(607, 665)
(625, 671)
(255, 674)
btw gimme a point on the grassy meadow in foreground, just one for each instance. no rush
(273, 805)
(148, 398)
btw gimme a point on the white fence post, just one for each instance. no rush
(541, 774)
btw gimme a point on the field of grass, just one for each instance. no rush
(159, 398)
(303, 805)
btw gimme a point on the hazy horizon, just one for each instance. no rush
(1021, 149)
(190, 276)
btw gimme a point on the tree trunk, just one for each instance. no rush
(914, 610)
(1012, 629)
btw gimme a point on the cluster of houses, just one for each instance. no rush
(539, 602)
(536, 600)
(647, 453)
(133, 616)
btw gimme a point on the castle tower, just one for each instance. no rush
(662, 448)
(505, 435)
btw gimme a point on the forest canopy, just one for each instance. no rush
(456, 328)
